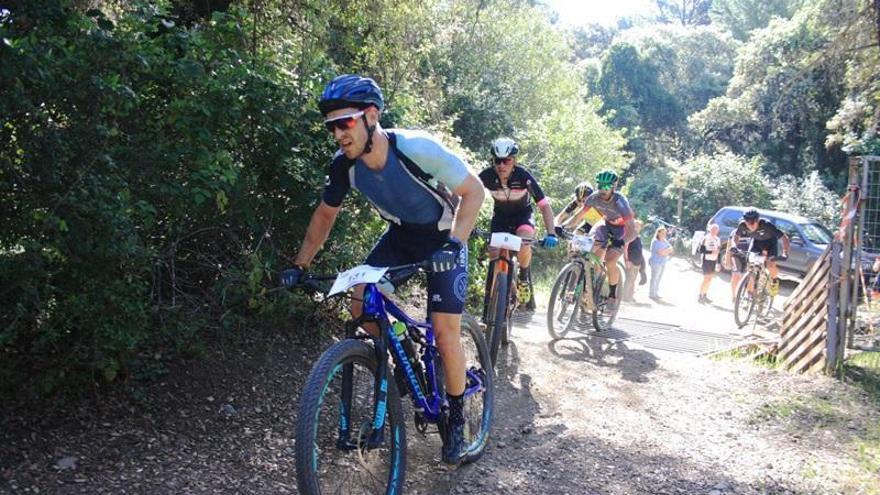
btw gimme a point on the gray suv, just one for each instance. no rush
(808, 237)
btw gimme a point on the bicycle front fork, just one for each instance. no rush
(376, 436)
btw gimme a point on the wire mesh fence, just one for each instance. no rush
(866, 331)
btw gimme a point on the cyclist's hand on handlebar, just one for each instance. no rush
(447, 257)
(561, 232)
(550, 241)
(290, 277)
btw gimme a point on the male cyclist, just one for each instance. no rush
(397, 171)
(615, 231)
(511, 186)
(575, 212)
(764, 237)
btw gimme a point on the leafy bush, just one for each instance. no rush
(807, 196)
(713, 181)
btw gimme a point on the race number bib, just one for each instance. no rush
(582, 243)
(503, 240)
(756, 258)
(363, 274)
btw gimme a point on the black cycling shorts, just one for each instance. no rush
(769, 245)
(401, 246)
(610, 236)
(509, 223)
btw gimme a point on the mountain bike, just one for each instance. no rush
(580, 288)
(350, 433)
(502, 296)
(753, 294)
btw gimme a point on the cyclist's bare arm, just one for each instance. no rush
(472, 195)
(319, 228)
(786, 243)
(547, 213)
(629, 229)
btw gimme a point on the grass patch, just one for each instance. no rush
(800, 413)
(751, 353)
(863, 370)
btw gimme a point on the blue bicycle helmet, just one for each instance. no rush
(349, 90)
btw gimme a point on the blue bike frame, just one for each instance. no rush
(376, 308)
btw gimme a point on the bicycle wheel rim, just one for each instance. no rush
(323, 465)
(478, 404)
(563, 305)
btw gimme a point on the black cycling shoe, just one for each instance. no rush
(454, 449)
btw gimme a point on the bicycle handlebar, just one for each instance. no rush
(316, 283)
(483, 234)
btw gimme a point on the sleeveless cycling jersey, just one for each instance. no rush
(513, 198)
(407, 191)
(615, 211)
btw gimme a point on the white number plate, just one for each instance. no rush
(502, 240)
(363, 274)
(582, 243)
(756, 258)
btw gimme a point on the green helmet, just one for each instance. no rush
(606, 178)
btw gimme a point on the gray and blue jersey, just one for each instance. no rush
(400, 196)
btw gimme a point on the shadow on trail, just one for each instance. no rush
(633, 364)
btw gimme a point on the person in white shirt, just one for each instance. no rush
(710, 248)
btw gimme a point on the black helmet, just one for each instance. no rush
(751, 214)
(350, 90)
(583, 190)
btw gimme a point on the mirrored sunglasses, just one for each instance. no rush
(605, 187)
(499, 161)
(344, 122)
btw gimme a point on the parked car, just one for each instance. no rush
(809, 238)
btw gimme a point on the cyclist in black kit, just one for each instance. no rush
(513, 187)
(764, 237)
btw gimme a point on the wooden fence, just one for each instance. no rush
(808, 314)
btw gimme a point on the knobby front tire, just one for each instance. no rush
(497, 314)
(321, 465)
(745, 302)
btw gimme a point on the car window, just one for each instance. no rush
(817, 234)
(788, 228)
(729, 219)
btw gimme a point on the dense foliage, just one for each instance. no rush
(159, 163)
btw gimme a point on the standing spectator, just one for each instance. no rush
(661, 250)
(635, 263)
(710, 247)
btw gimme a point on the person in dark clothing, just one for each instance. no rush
(635, 263)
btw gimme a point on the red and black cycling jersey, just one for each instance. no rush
(766, 230)
(514, 197)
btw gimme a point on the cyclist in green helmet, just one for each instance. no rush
(616, 229)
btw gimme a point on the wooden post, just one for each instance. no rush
(831, 339)
(846, 272)
(861, 173)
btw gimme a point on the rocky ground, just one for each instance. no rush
(584, 415)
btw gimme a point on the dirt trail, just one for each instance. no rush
(584, 415)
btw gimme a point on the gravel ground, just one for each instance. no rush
(584, 415)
